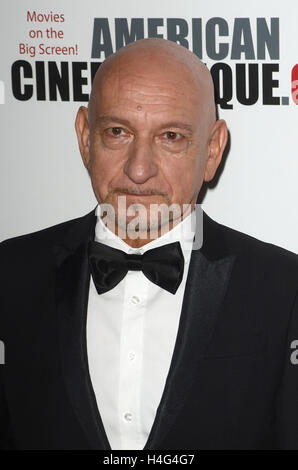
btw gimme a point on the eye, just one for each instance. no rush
(115, 131)
(170, 135)
(172, 141)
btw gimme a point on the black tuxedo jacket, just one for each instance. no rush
(232, 383)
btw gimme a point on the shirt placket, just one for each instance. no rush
(131, 359)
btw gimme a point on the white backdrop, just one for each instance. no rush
(43, 181)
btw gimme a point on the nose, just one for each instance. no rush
(140, 165)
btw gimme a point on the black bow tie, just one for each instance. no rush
(163, 265)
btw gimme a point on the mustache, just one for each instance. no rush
(137, 191)
(148, 192)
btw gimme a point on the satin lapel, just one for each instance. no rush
(72, 288)
(204, 292)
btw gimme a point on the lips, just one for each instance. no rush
(140, 195)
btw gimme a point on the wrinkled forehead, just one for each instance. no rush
(148, 88)
(158, 82)
(147, 83)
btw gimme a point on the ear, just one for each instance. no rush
(216, 146)
(82, 130)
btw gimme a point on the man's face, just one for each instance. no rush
(148, 138)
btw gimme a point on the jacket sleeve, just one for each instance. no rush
(287, 395)
(6, 439)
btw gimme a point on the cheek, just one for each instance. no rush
(105, 165)
(197, 162)
(102, 177)
(182, 173)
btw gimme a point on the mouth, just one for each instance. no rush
(139, 195)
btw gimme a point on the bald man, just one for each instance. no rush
(145, 324)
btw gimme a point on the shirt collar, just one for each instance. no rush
(183, 232)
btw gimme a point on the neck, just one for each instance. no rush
(139, 238)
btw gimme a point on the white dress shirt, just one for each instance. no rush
(131, 334)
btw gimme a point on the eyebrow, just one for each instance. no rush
(106, 118)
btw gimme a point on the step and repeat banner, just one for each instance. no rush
(50, 51)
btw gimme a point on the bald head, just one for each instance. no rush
(164, 59)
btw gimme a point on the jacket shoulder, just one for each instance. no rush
(225, 240)
(48, 236)
(241, 240)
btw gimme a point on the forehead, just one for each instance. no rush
(153, 89)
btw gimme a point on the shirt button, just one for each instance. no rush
(135, 299)
(128, 416)
(134, 252)
(131, 355)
